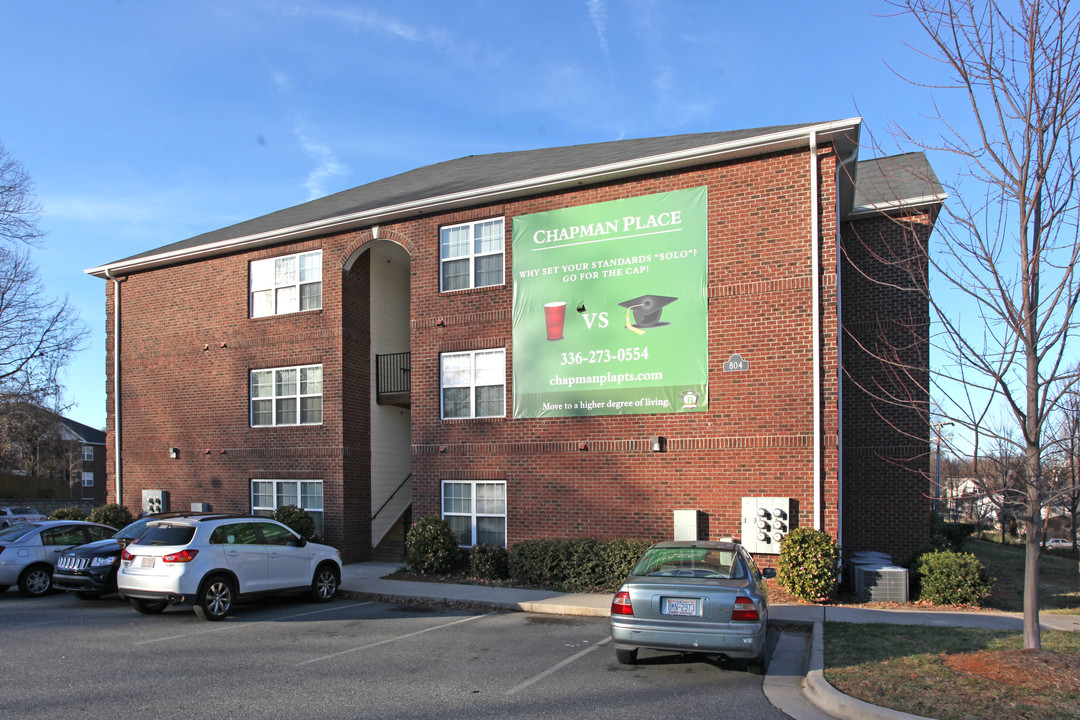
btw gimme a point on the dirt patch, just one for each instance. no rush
(1033, 669)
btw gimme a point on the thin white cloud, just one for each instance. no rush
(598, 15)
(327, 165)
(373, 20)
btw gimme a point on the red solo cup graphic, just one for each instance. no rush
(555, 315)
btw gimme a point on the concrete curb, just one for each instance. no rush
(833, 702)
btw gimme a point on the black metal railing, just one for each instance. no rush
(392, 373)
(387, 501)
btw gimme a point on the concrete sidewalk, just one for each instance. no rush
(795, 681)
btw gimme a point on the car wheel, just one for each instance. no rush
(324, 585)
(626, 657)
(148, 607)
(85, 595)
(35, 581)
(215, 599)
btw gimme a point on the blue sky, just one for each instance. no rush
(143, 123)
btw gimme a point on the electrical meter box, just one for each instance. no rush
(765, 522)
(687, 525)
(155, 501)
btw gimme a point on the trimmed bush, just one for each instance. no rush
(575, 565)
(808, 563)
(489, 562)
(431, 546)
(114, 515)
(953, 578)
(297, 519)
(67, 513)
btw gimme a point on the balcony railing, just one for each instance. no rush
(392, 379)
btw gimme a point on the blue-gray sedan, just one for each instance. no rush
(693, 597)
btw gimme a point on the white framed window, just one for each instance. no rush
(87, 479)
(471, 255)
(286, 284)
(286, 396)
(268, 495)
(476, 511)
(473, 384)
(88, 453)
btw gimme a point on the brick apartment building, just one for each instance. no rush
(601, 340)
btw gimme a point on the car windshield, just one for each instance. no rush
(17, 531)
(166, 535)
(132, 531)
(696, 562)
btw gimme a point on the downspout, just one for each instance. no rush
(840, 365)
(116, 385)
(815, 283)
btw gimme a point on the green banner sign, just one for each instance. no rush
(611, 309)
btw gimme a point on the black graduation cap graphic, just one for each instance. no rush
(647, 309)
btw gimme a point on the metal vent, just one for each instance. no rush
(881, 583)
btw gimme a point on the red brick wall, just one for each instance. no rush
(886, 430)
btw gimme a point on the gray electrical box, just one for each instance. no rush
(155, 501)
(765, 522)
(686, 525)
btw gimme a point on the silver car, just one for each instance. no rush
(693, 597)
(28, 552)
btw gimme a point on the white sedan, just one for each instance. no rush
(17, 515)
(29, 551)
(1059, 544)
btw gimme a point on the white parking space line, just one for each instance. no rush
(229, 626)
(393, 639)
(557, 666)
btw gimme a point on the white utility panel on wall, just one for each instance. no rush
(765, 522)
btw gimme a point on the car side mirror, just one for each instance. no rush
(768, 573)
(301, 542)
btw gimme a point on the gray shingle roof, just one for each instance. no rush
(893, 181)
(474, 174)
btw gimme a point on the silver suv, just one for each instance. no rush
(213, 561)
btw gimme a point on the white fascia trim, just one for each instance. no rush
(893, 205)
(758, 144)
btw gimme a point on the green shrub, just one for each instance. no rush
(431, 546)
(114, 515)
(953, 578)
(489, 562)
(808, 563)
(575, 565)
(67, 513)
(297, 519)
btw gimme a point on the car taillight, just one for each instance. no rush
(744, 610)
(621, 604)
(126, 555)
(180, 557)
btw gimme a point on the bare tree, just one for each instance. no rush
(19, 210)
(38, 334)
(1005, 279)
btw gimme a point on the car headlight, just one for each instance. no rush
(103, 561)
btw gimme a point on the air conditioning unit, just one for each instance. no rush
(880, 583)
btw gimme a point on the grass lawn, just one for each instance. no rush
(969, 673)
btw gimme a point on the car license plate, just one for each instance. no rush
(680, 606)
(147, 561)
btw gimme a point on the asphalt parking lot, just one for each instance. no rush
(63, 657)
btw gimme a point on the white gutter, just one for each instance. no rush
(788, 139)
(815, 269)
(840, 365)
(116, 385)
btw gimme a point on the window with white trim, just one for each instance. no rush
(268, 495)
(87, 479)
(88, 453)
(473, 384)
(286, 284)
(471, 255)
(476, 511)
(286, 396)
